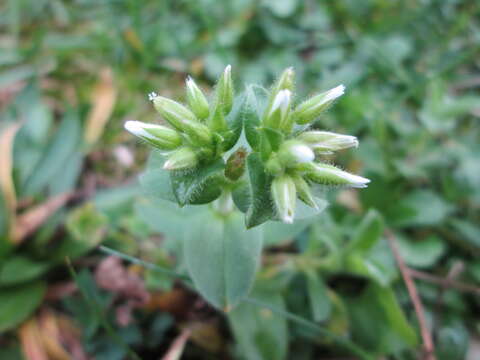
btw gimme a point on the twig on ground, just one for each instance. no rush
(428, 346)
(444, 282)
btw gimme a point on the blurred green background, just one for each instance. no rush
(72, 72)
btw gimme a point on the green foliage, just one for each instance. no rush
(260, 333)
(19, 302)
(222, 258)
(411, 99)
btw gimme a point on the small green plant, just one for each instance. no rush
(203, 158)
(283, 152)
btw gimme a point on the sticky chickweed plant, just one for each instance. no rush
(254, 157)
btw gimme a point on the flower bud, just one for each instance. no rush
(225, 90)
(331, 175)
(309, 110)
(279, 110)
(294, 152)
(285, 81)
(197, 133)
(284, 197)
(325, 142)
(217, 122)
(159, 136)
(174, 113)
(196, 100)
(303, 191)
(273, 165)
(183, 158)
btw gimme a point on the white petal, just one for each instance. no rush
(334, 93)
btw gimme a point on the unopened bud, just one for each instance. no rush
(184, 158)
(217, 122)
(285, 81)
(309, 110)
(174, 113)
(157, 135)
(198, 133)
(273, 165)
(294, 152)
(279, 110)
(196, 100)
(303, 191)
(284, 196)
(331, 175)
(325, 142)
(224, 90)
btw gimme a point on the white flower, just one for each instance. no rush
(152, 95)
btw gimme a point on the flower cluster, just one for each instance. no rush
(283, 164)
(199, 132)
(291, 152)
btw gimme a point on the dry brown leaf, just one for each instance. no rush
(112, 275)
(207, 335)
(29, 221)
(176, 349)
(6, 181)
(51, 336)
(133, 39)
(31, 341)
(177, 302)
(71, 338)
(103, 101)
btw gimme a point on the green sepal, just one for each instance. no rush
(200, 186)
(261, 206)
(252, 109)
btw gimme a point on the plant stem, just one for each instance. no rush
(224, 204)
(428, 346)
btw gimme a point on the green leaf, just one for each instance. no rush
(422, 253)
(420, 208)
(282, 8)
(261, 206)
(222, 257)
(19, 269)
(235, 123)
(200, 186)
(273, 137)
(452, 342)
(18, 303)
(255, 102)
(156, 181)
(66, 178)
(86, 228)
(318, 296)
(378, 322)
(470, 238)
(270, 140)
(166, 217)
(275, 232)
(367, 233)
(260, 334)
(359, 264)
(54, 157)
